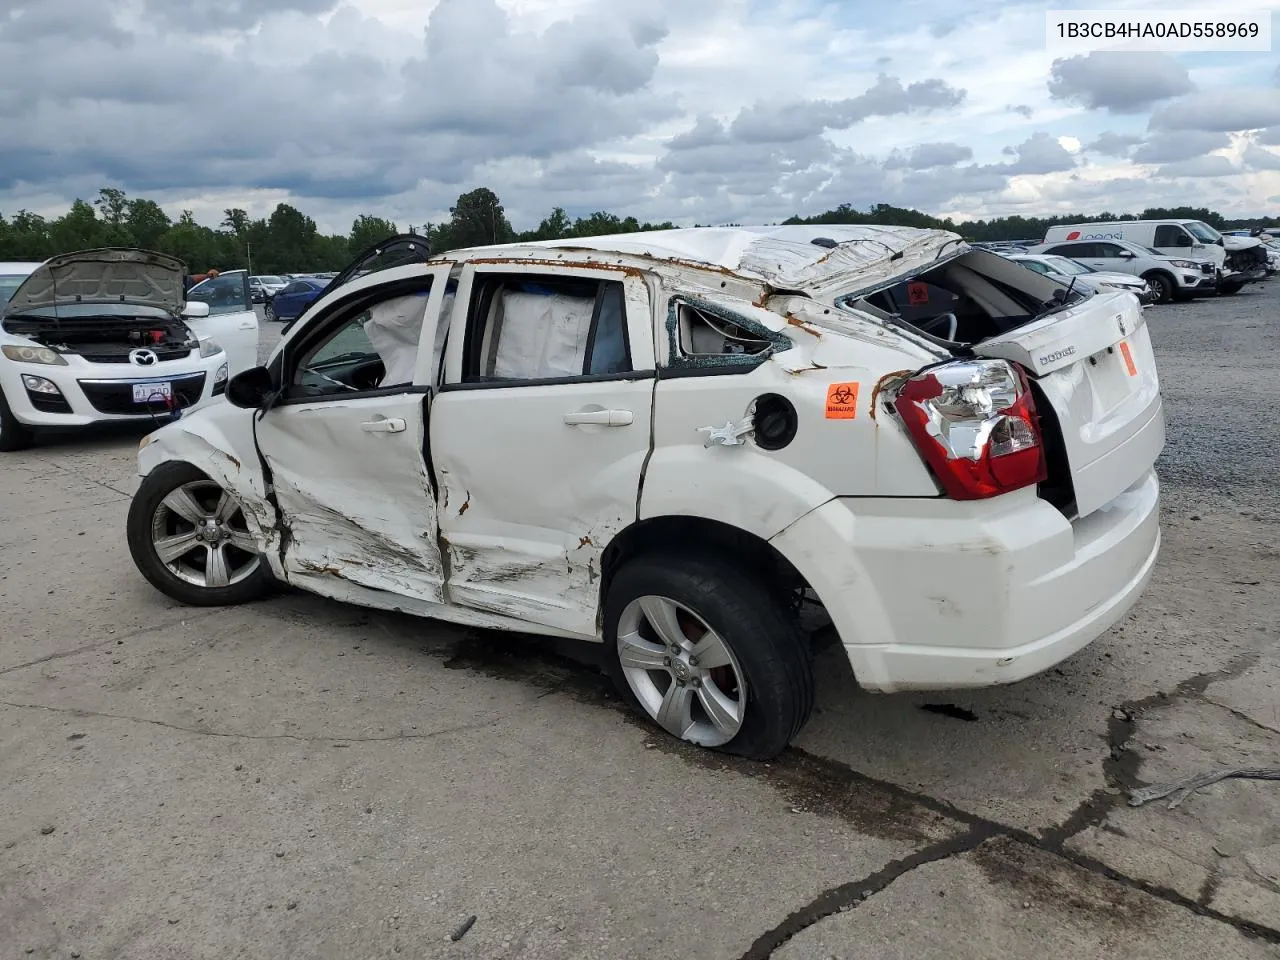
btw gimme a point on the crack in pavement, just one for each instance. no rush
(1238, 714)
(82, 477)
(111, 641)
(847, 896)
(225, 735)
(1120, 771)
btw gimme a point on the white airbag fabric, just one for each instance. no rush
(541, 335)
(394, 328)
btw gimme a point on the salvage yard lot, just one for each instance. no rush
(300, 778)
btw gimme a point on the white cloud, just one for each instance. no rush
(707, 110)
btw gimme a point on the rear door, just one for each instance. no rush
(539, 435)
(232, 320)
(1094, 365)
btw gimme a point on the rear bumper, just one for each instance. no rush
(936, 594)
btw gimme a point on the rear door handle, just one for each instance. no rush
(605, 418)
(392, 425)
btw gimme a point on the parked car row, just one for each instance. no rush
(1176, 259)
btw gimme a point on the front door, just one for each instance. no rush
(232, 321)
(539, 436)
(344, 445)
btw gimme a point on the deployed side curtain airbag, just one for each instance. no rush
(541, 335)
(394, 328)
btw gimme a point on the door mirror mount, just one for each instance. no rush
(195, 309)
(1128, 255)
(251, 389)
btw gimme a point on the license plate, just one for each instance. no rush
(152, 392)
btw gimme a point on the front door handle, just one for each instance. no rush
(393, 425)
(605, 418)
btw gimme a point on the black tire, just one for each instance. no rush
(269, 310)
(754, 621)
(1162, 286)
(1230, 289)
(14, 435)
(154, 488)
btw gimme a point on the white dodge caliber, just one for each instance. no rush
(105, 335)
(667, 442)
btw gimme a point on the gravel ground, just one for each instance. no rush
(300, 778)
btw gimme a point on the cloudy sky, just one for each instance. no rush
(693, 110)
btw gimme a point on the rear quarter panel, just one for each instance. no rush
(846, 447)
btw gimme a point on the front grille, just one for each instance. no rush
(49, 403)
(122, 356)
(117, 396)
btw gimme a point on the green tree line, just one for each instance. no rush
(288, 241)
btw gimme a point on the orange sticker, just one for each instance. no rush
(842, 401)
(1128, 358)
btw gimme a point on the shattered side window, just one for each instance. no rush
(708, 337)
(702, 334)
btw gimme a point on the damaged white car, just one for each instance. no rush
(669, 441)
(105, 335)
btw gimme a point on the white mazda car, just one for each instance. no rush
(105, 335)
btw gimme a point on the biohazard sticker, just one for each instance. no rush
(842, 401)
(917, 293)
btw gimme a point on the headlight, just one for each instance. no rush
(33, 354)
(40, 385)
(222, 374)
(210, 347)
(1186, 264)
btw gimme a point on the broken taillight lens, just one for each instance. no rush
(975, 424)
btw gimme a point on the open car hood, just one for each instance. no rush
(140, 278)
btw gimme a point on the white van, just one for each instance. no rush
(1241, 259)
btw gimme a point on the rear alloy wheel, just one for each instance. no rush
(14, 435)
(268, 310)
(189, 538)
(710, 654)
(1161, 286)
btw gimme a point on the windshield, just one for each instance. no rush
(271, 280)
(1067, 266)
(1202, 231)
(9, 282)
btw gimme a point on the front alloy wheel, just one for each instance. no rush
(189, 538)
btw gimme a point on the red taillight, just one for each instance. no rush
(975, 424)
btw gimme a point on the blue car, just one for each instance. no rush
(291, 302)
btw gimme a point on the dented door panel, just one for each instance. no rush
(528, 503)
(356, 504)
(536, 478)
